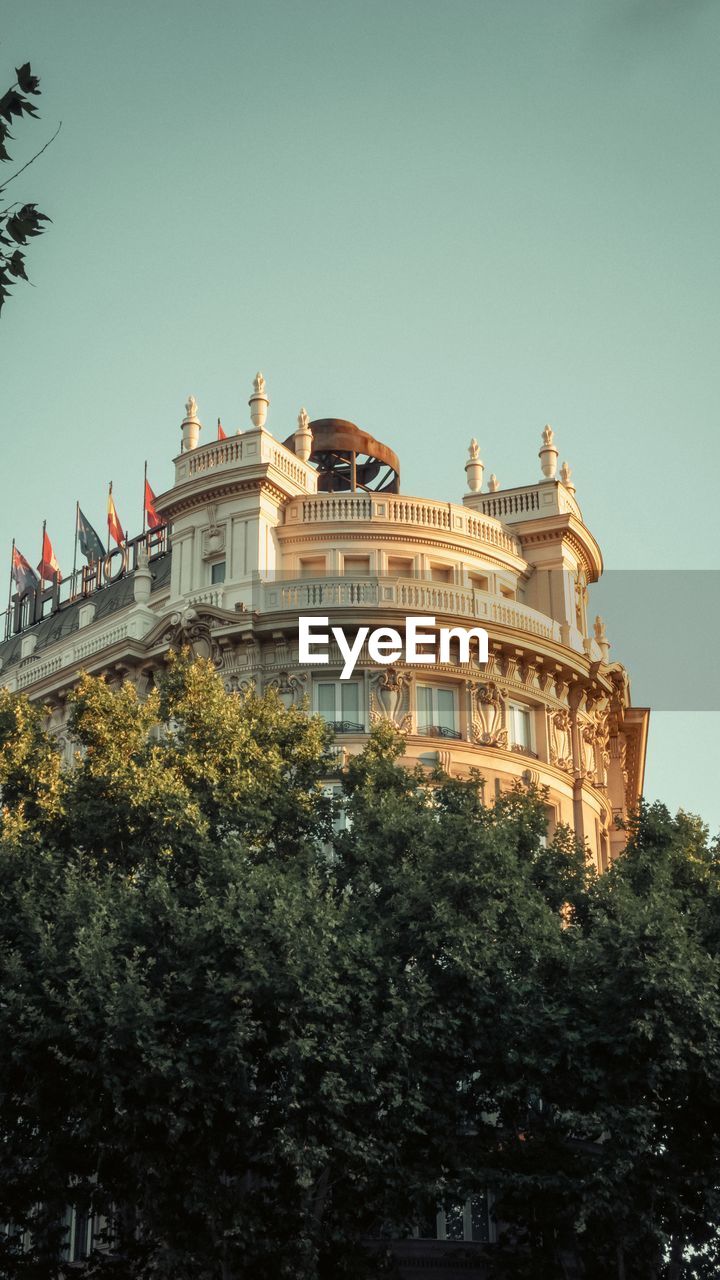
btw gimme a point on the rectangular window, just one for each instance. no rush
(520, 726)
(356, 565)
(312, 567)
(338, 702)
(217, 572)
(400, 567)
(479, 581)
(441, 572)
(437, 711)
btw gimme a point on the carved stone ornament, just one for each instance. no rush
(188, 627)
(489, 715)
(290, 689)
(259, 385)
(560, 740)
(191, 408)
(588, 741)
(390, 699)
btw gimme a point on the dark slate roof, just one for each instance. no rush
(107, 600)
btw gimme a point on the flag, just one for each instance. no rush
(153, 519)
(90, 544)
(115, 529)
(48, 568)
(24, 577)
(221, 433)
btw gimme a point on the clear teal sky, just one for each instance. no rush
(437, 219)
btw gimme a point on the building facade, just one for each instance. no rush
(259, 534)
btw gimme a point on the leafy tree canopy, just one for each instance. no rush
(253, 1037)
(19, 222)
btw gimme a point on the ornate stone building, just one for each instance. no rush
(259, 533)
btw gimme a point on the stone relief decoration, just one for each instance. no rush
(588, 740)
(507, 665)
(214, 535)
(188, 627)
(581, 596)
(390, 699)
(489, 715)
(282, 650)
(560, 739)
(290, 689)
(543, 679)
(234, 684)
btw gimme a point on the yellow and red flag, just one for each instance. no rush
(115, 529)
(48, 568)
(221, 433)
(153, 519)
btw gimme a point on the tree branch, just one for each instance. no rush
(32, 159)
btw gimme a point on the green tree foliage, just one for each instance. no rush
(19, 222)
(253, 1041)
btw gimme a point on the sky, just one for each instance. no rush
(437, 218)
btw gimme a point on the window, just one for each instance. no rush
(507, 593)
(441, 572)
(312, 567)
(217, 571)
(479, 581)
(520, 726)
(338, 702)
(400, 566)
(437, 711)
(356, 564)
(468, 1220)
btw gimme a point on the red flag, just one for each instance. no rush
(221, 433)
(115, 529)
(48, 568)
(153, 519)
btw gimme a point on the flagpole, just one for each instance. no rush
(42, 555)
(144, 494)
(10, 587)
(77, 521)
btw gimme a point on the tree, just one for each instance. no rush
(255, 1039)
(19, 222)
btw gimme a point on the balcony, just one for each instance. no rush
(406, 595)
(420, 514)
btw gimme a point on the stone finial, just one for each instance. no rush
(548, 455)
(566, 477)
(493, 484)
(191, 425)
(142, 578)
(259, 402)
(474, 467)
(303, 437)
(601, 639)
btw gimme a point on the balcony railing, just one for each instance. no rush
(409, 513)
(407, 595)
